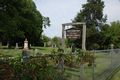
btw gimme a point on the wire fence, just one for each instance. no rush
(106, 62)
(60, 67)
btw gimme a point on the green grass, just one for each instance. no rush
(115, 75)
(42, 50)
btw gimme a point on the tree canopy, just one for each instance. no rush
(19, 19)
(92, 14)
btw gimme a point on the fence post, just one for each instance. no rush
(112, 47)
(94, 68)
(62, 64)
(81, 70)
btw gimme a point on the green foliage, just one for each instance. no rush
(40, 68)
(44, 38)
(57, 40)
(112, 34)
(20, 20)
(17, 69)
(92, 14)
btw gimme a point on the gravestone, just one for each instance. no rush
(55, 45)
(30, 45)
(26, 51)
(7, 44)
(0, 43)
(6, 51)
(16, 46)
(36, 51)
(73, 48)
(12, 50)
(20, 50)
(44, 44)
(52, 45)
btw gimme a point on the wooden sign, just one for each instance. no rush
(73, 33)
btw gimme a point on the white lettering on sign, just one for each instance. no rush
(73, 34)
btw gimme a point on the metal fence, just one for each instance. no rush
(67, 69)
(106, 62)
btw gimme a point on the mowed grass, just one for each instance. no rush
(15, 53)
(116, 76)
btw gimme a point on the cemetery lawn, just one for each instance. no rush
(14, 53)
(116, 76)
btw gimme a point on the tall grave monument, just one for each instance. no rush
(26, 51)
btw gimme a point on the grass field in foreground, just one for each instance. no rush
(103, 63)
(116, 76)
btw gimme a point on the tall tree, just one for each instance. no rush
(20, 19)
(112, 35)
(92, 14)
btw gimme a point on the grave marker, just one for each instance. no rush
(7, 44)
(12, 50)
(36, 51)
(0, 43)
(44, 44)
(55, 45)
(26, 51)
(73, 48)
(16, 46)
(6, 51)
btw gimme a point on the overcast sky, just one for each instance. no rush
(62, 11)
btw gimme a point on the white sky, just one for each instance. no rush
(62, 11)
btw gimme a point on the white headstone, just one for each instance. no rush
(30, 45)
(36, 51)
(7, 44)
(16, 46)
(26, 45)
(44, 44)
(52, 45)
(55, 45)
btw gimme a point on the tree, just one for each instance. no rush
(57, 40)
(54, 40)
(103, 40)
(20, 20)
(92, 14)
(112, 35)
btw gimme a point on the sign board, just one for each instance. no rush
(73, 33)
